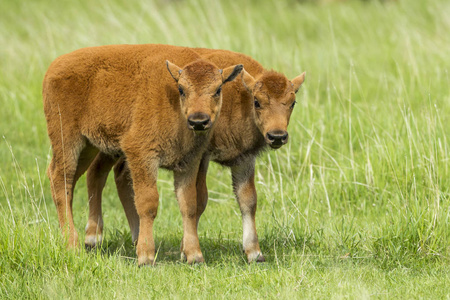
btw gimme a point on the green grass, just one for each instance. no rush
(355, 206)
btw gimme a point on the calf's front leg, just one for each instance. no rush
(144, 176)
(185, 188)
(243, 177)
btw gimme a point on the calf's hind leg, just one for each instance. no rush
(243, 177)
(68, 163)
(124, 186)
(97, 174)
(96, 177)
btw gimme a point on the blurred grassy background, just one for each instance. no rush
(356, 205)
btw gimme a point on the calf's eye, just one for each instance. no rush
(180, 89)
(257, 105)
(293, 104)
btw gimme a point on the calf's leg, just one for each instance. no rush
(97, 175)
(185, 188)
(244, 189)
(202, 195)
(202, 190)
(144, 173)
(70, 160)
(124, 187)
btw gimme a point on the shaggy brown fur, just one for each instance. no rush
(128, 101)
(255, 113)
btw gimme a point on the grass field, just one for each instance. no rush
(356, 206)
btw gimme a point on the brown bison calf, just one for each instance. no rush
(255, 113)
(122, 101)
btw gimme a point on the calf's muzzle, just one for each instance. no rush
(276, 138)
(199, 121)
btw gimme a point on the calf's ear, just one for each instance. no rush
(297, 81)
(230, 73)
(174, 70)
(248, 80)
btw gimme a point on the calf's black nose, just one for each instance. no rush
(277, 138)
(199, 121)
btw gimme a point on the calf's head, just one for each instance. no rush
(274, 100)
(200, 87)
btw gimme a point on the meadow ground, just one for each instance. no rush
(355, 206)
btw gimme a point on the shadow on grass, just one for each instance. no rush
(216, 251)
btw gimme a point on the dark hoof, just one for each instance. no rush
(198, 261)
(260, 259)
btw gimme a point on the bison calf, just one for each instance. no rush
(255, 115)
(128, 101)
